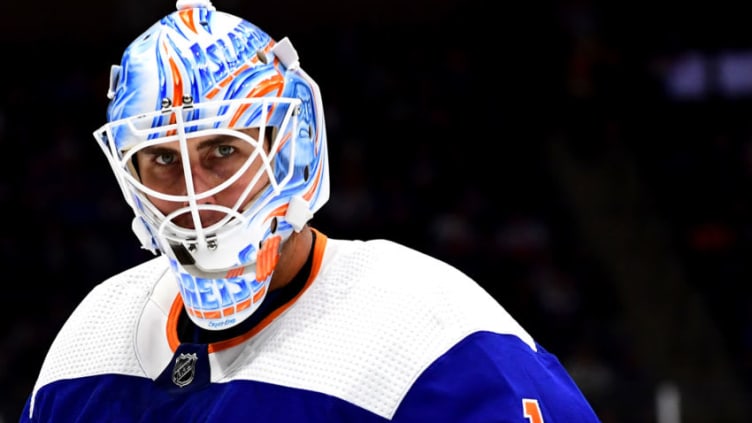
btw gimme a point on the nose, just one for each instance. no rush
(203, 180)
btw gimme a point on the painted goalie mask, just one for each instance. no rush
(217, 139)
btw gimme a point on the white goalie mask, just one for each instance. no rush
(217, 139)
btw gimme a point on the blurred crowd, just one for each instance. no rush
(440, 133)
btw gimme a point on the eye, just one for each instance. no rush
(165, 158)
(224, 150)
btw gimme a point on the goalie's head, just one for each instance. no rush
(217, 139)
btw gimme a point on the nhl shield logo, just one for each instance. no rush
(185, 369)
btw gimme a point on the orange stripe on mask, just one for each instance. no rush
(177, 91)
(259, 295)
(307, 196)
(279, 211)
(243, 305)
(187, 17)
(284, 141)
(274, 83)
(267, 258)
(223, 83)
(233, 273)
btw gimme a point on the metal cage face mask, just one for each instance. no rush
(220, 159)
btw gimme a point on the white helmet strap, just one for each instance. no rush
(298, 212)
(114, 75)
(286, 53)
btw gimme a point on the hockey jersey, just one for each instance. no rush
(379, 333)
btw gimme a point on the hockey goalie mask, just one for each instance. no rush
(217, 140)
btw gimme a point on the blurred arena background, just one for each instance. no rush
(588, 163)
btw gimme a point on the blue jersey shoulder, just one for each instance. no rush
(495, 377)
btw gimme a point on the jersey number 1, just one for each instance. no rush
(531, 410)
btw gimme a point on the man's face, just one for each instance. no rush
(213, 160)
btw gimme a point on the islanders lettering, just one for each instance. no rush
(217, 298)
(218, 60)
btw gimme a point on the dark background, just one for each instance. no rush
(588, 163)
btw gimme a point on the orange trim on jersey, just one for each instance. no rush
(177, 305)
(318, 255)
(172, 323)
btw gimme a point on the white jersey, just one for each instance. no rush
(380, 332)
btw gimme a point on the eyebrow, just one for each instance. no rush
(208, 143)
